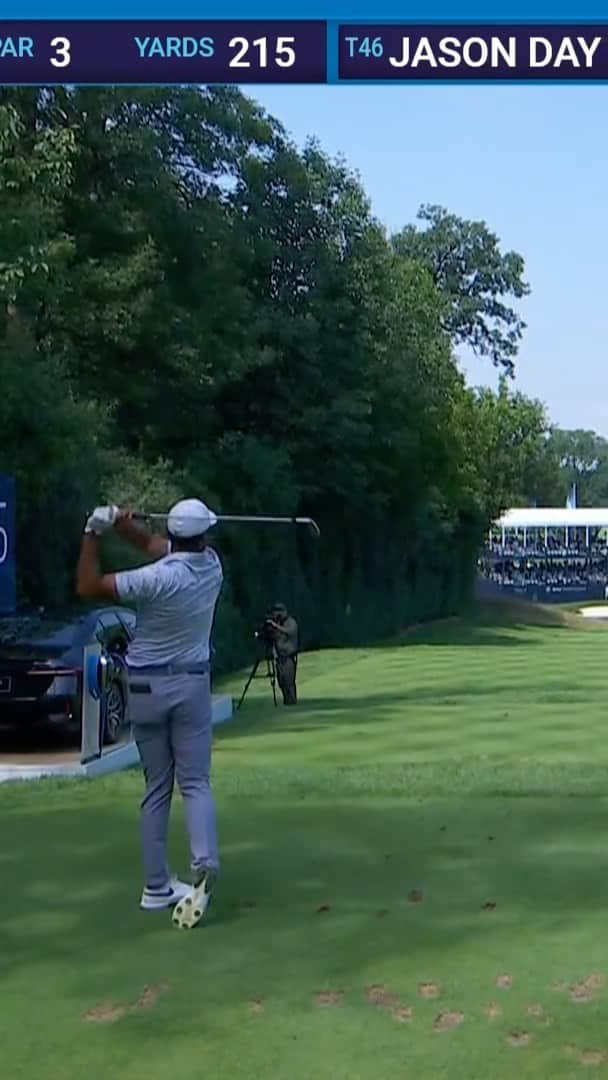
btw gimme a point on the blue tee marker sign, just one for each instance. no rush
(8, 575)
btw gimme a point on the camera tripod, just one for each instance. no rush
(270, 673)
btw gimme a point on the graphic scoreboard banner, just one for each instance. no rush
(182, 51)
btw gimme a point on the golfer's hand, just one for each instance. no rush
(102, 519)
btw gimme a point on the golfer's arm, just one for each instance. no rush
(155, 547)
(91, 584)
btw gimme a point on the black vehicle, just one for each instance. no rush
(41, 668)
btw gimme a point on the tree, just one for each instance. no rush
(475, 279)
(203, 308)
(35, 173)
(582, 459)
(53, 443)
(508, 449)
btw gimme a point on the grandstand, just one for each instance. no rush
(547, 555)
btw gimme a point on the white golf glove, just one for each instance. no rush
(102, 519)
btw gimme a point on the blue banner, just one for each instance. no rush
(315, 44)
(8, 570)
(541, 594)
(482, 52)
(471, 11)
(120, 52)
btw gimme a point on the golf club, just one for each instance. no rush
(256, 519)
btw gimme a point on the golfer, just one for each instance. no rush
(169, 686)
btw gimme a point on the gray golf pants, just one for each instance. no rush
(171, 717)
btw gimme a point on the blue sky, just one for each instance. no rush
(530, 161)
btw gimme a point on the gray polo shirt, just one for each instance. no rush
(175, 600)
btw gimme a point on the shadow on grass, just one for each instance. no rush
(464, 635)
(258, 717)
(449, 634)
(317, 879)
(491, 623)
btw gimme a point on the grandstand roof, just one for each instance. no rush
(553, 517)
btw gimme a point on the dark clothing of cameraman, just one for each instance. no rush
(286, 677)
(286, 651)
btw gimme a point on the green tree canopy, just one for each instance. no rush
(475, 279)
(191, 304)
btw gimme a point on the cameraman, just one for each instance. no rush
(285, 641)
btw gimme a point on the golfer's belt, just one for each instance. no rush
(169, 669)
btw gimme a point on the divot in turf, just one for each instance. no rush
(403, 1014)
(381, 996)
(518, 1038)
(108, 1013)
(582, 992)
(328, 998)
(592, 1057)
(448, 1020)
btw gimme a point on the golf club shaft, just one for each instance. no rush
(255, 519)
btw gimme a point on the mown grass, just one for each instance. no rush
(430, 822)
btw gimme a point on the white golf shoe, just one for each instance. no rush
(158, 899)
(191, 908)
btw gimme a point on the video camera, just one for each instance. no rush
(265, 634)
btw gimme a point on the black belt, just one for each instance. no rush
(169, 669)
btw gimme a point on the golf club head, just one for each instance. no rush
(314, 528)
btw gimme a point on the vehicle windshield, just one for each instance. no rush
(25, 635)
(47, 636)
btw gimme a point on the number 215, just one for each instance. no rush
(284, 55)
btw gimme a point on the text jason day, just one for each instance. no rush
(496, 51)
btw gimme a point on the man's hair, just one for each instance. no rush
(188, 543)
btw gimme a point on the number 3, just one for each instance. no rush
(61, 45)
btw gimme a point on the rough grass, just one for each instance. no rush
(415, 874)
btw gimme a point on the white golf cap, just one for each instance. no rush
(190, 517)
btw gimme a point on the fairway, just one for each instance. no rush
(415, 881)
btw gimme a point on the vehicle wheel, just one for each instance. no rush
(114, 711)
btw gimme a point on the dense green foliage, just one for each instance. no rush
(581, 458)
(190, 305)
